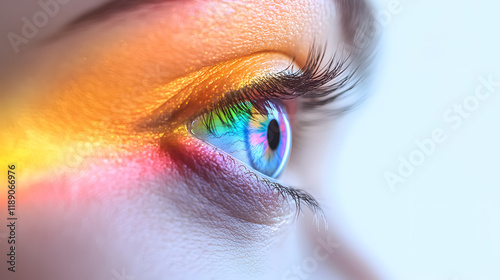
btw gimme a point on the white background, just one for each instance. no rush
(443, 222)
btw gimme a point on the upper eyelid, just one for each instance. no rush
(201, 90)
(319, 80)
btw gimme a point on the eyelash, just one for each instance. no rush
(318, 86)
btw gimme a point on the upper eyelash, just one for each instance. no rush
(317, 83)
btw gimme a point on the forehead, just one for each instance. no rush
(63, 15)
(181, 35)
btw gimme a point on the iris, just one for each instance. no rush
(260, 140)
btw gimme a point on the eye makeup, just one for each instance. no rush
(266, 76)
(319, 82)
(230, 126)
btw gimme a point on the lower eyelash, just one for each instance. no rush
(300, 197)
(193, 158)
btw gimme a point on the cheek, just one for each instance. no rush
(104, 174)
(107, 215)
(138, 210)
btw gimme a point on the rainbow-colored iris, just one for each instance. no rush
(260, 140)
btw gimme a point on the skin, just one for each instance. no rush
(105, 184)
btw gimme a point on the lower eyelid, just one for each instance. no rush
(221, 181)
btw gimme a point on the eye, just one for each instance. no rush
(258, 134)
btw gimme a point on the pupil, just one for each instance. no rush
(273, 134)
